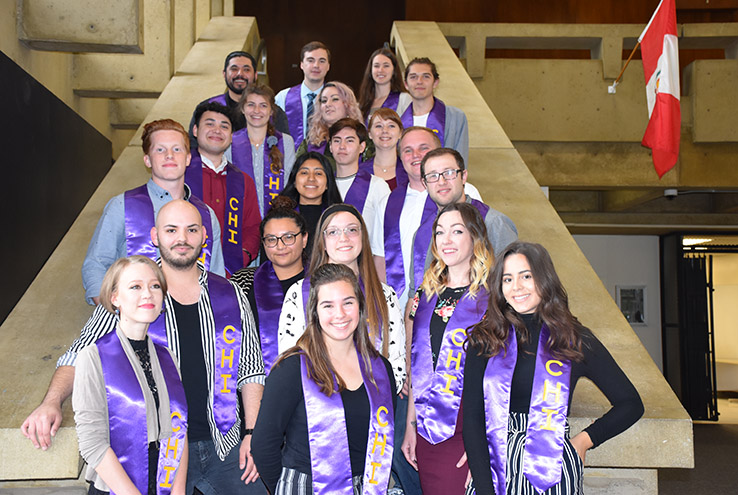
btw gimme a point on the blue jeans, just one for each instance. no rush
(403, 473)
(211, 476)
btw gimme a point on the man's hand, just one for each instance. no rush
(246, 461)
(42, 424)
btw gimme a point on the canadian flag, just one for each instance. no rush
(660, 52)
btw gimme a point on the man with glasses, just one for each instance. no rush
(444, 176)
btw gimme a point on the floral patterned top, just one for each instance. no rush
(445, 306)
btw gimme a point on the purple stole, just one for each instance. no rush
(394, 264)
(293, 109)
(127, 415)
(271, 183)
(549, 403)
(400, 173)
(392, 100)
(423, 239)
(321, 148)
(221, 98)
(139, 218)
(330, 460)
(227, 316)
(436, 118)
(437, 393)
(269, 296)
(231, 238)
(359, 190)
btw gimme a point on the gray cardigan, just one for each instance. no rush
(90, 404)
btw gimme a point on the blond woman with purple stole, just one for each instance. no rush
(523, 362)
(129, 403)
(452, 298)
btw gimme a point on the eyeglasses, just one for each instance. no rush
(287, 239)
(448, 174)
(335, 232)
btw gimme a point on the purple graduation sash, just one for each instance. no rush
(127, 415)
(359, 190)
(330, 461)
(400, 173)
(293, 109)
(545, 435)
(421, 245)
(139, 218)
(269, 297)
(436, 118)
(392, 100)
(394, 264)
(437, 393)
(221, 98)
(227, 316)
(231, 232)
(320, 148)
(271, 184)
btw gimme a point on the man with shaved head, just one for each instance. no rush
(208, 326)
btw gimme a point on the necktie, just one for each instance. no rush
(311, 97)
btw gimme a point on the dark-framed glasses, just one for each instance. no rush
(287, 239)
(448, 174)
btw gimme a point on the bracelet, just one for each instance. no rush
(248, 431)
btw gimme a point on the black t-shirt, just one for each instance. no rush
(283, 417)
(194, 374)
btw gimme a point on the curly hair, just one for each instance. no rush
(317, 126)
(482, 260)
(490, 335)
(275, 156)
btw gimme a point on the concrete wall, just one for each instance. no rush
(631, 260)
(725, 280)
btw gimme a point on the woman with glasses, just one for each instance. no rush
(259, 149)
(342, 238)
(284, 237)
(335, 102)
(452, 298)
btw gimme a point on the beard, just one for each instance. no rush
(235, 89)
(179, 262)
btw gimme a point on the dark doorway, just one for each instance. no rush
(352, 30)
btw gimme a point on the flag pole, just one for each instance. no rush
(611, 89)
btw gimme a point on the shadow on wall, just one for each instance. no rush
(53, 162)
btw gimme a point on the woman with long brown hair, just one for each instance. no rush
(329, 400)
(523, 362)
(382, 85)
(385, 129)
(259, 149)
(452, 298)
(341, 237)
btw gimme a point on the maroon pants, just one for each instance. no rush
(437, 464)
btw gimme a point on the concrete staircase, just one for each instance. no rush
(52, 311)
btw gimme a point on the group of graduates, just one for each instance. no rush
(308, 297)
